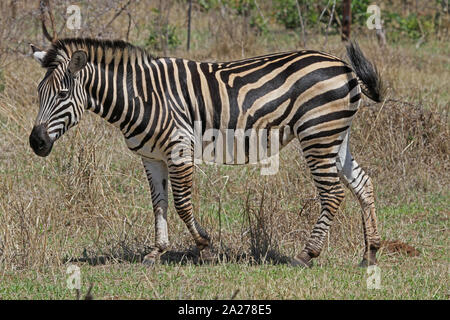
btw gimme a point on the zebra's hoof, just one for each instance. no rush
(367, 262)
(152, 258)
(303, 260)
(149, 262)
(298, 262)
(369, 259)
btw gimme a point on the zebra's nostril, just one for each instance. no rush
(40, 142)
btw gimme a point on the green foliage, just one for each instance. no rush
(240, 5)
(401, 26)
(258, 23)
(161, 35)
(411, 26)
(168, 34)
(397, 26)
(286, 13)
(247, 8)
(206, 5)
(359, 11)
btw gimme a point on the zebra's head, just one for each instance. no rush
(62, 97)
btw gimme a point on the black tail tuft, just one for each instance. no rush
(366, 72)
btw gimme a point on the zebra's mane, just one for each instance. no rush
(97, 50)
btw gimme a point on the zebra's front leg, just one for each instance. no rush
(157, 174)
(181, 177)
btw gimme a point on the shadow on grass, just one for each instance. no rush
(183, 257)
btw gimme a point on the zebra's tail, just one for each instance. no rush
(372, 86)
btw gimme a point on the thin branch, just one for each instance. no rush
(44, 7)
(323, 11)
(301, 23)
(115, 17)
(129, 25)
(259, 11)
(188, 45)
(329, 23)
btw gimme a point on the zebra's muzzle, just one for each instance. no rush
(40, 141)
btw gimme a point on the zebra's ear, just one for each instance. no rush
(77, 62)
(38, 54)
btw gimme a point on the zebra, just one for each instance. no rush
(307, 94)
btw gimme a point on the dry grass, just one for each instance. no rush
(89, 200)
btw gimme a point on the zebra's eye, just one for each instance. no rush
(63, 94)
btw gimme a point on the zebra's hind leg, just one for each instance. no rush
(157, 173)
(181, 177)
(331, 194)
(354, 177)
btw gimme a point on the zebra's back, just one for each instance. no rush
(265, 92)
(293, 93)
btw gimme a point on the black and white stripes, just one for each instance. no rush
(305, 94)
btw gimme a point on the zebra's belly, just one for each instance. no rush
(219, 146)
(239, 147)
(147, 150)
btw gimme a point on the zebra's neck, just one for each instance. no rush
(113, 87)
(132, 88)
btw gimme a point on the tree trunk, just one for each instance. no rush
(346, 20)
